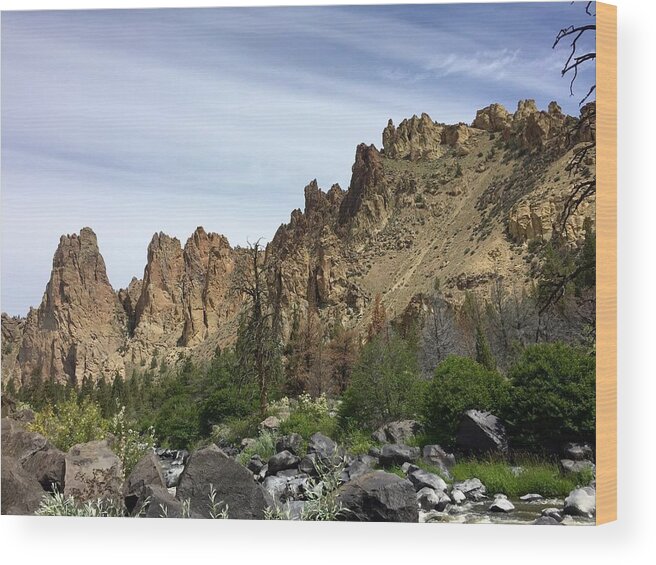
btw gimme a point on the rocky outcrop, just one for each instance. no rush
(414, 139)
(80, 325)
(209, 262)
(493, 118)
(159, 318)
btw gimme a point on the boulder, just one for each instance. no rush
(379, 497)
(148, 472)
(48, 466)
(581, 502)
(361, 465)
(282, 461)
(554, 513)
(435, 455)
(457, 496)
(292, 443)
(473, 489)
(481, 432)
(422, 479)
(546, 521)
(17, 442)
(578, 451)
(427, 499)
(255, 464)
(397, 432)
(501, 504)
(92, 472)
(571, 466)
(270, 424)
(234, 485)
(157, 502)
(323, 447)
(276, 487)
(307, 465)
(531, 497)
(21, 492)
(398, 454)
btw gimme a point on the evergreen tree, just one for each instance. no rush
(483, 352)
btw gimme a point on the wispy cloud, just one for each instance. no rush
(145, 120)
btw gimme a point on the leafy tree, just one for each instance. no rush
(385, 384)
(553, 396)
(461, 384)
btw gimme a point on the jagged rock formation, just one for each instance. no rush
(414, 139)
(454, 202)
(80, 325)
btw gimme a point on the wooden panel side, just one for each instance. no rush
(606, 222)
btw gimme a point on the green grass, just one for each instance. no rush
(539, 476)
(264, 446)
(357, 442)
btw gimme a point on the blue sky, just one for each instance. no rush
(138, 121)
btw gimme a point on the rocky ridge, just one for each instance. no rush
(456, 202)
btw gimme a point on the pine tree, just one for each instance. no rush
(483, 352)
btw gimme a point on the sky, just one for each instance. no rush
(133, 122)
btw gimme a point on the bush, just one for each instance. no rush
(385, 385)
(69, 423)
(264, 446)
(553, 396)
(311, 415)
(130, 445)
(461, 384)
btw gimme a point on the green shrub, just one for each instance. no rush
(385, 385)
(57, 504)
(310, 416)
(264, 446)
(461, 384)
(69, 423)
(553, 396)
(357, 442)
(130, 445)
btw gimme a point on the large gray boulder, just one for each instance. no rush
(429, 499)
(148, 472)
(281, 462)
(157, 502)
(421, 479)
(398, 454)
(21, 492)
(397, 432)
(572, 466)
(435, 455)
(361, 465)
(379, 497)
(93, 471)
(473, 489)
(322, 447)
(34, 452)
(481, 432)
(501, 504)
(581, 502)
(233, 483)
(292, 443)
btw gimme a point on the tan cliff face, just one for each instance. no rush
(80, 325)
(456, 203)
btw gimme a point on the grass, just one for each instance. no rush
(538, 476)
(264, 446)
